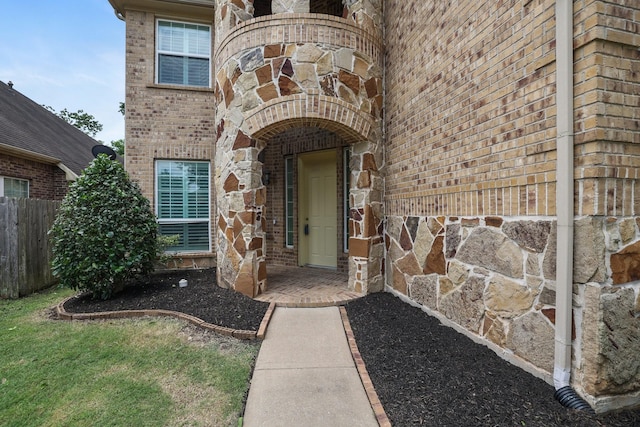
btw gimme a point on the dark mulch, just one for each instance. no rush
(428, 374)
(424, 373)
(201, 298)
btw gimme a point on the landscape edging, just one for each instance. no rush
(374, 401)
(241, 334)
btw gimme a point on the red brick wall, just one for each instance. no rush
(46, 181)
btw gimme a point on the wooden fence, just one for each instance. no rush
(25, 249)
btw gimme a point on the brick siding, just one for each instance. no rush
(46, 181)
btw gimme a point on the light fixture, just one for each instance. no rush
(266, 177)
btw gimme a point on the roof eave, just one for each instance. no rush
(37, 157)
(202, 9)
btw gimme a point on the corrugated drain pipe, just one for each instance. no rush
(565, 208)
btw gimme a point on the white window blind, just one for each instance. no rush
(182, 203)
(183, 54)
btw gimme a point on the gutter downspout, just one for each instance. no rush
(564, 207)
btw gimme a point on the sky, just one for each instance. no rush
(66, 54)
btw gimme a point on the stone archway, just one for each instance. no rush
(241, 194)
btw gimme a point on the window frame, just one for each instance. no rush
(183, 220)
(289, 205)
(159, 52)
(2, 186)
(346, 191)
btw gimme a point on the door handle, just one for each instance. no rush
(306, 229)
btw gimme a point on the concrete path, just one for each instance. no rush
(305, 375)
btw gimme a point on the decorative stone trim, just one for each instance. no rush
(288, 112)
(376, 405)
(240, 334)
(299, 28)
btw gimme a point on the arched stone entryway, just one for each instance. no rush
(242, 194)
(286, 71)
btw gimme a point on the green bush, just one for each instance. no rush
(105, 231)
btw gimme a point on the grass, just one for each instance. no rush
(145, 372)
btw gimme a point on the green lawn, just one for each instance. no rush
(146, 372)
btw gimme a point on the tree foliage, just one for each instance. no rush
(105, 231)
(118, 146)
(83, 121)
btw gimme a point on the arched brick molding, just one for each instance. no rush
(327, 112)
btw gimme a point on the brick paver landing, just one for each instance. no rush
(306, 287)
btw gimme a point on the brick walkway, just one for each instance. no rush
(306, 287)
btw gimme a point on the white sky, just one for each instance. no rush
(66, 54)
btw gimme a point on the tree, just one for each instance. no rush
(118, 146)
(105, 231)
(83, 121)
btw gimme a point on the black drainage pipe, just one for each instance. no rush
(570, 399)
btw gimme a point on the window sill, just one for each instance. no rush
(180, 87)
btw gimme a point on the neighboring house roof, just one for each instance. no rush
(29, 130)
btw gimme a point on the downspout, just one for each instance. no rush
(565, 208)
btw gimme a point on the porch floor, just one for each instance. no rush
(306, 287)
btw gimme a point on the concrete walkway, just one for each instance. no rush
(305, 374)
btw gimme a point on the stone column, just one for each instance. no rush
(241, 201)
(366, 251)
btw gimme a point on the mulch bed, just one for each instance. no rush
(423, 372)
(428, 374)
(201, 298)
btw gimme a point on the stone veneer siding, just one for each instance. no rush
(470, 179)
(46, 181)
(294, 71)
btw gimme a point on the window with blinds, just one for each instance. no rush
(183, 54)
(14, 187)
(182, 203)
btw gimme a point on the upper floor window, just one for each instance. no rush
(183, 54)
(14, 187)
(261, 8)
(329, 7)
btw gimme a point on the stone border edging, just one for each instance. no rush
(376, 405)
(125, 314)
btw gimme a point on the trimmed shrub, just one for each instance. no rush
(105, 231)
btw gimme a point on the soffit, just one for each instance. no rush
(202, 9)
